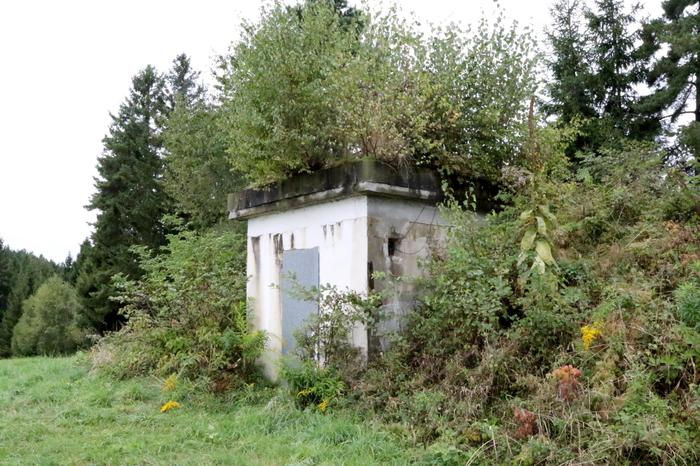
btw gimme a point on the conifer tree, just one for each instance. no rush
(68, 270)
(198, 175)
(569, 93)
(129, 197)
(72, 267)
(26, 273)
(182, 84)
(674, 75)
(22, 288)
(617, 69)
(571, 99)
(5, 283)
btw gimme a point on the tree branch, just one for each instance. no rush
(676, 115)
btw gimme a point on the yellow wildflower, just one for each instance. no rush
(590, 333)
(169, 405)
(323, 406)
(170, 383)
(306, 392)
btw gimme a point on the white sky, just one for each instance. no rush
(66, 64)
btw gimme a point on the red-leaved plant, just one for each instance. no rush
(568, 385)
(527, 420)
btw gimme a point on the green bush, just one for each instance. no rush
(325, 360)
(324, 337)
(48, 322)
(543, 332)
(311, 384)
(467, 295)
(187, 315)
(687, 298)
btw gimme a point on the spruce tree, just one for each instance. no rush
(672, 43)
(129, 197)
(569, 63)
(5, 283)
(617, 69)
(570, 96)
(197, 174)
(182, 84)
(72, 267)
(21, 290)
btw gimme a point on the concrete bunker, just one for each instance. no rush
(337, 227)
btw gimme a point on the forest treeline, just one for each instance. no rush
(22, 274)
(563, 327)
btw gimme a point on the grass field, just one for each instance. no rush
(53, 411)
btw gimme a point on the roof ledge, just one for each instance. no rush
(364, 177)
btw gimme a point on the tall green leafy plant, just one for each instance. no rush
(543, 160)
(187, 314)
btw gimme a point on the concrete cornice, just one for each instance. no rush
(366, 177)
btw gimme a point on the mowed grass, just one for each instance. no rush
(53, 411)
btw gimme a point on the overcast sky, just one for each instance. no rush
(67, 64)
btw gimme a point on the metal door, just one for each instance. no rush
(299, 269)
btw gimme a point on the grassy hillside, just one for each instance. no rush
(55, 412)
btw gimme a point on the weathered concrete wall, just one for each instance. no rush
(401, 236)
(338, 229)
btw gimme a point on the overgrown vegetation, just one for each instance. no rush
(561, 329)
(310, 90)
(589, 360)
(187, 315)
(325, 359)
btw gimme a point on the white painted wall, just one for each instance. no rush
(337, 228)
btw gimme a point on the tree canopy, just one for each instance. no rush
(313, 88)
(21, 273)
(49, 322)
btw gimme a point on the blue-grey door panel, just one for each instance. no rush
(299, 267)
